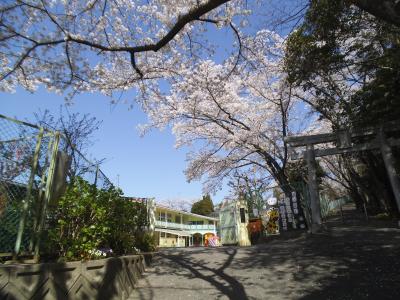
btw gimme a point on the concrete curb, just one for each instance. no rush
(110, 278)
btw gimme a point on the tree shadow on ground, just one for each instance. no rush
(352, 260)
(226, 285)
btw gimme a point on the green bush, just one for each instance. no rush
(126, 220)
(88, 222)
(80, 221)
(145, 242)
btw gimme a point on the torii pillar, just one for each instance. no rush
(316, 220)
(389, 161)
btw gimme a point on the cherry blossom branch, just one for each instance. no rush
(229, 115)
(239, 54)
(26, 55)
(193, 14)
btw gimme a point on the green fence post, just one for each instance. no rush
(27, 200)
(49, 184)
(39, 199)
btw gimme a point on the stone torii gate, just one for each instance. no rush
(345, 143)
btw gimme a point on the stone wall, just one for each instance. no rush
(111, 278)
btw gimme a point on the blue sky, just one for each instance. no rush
(147, 166)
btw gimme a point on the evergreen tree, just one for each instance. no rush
(203, 207)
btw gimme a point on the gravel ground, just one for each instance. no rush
(349, 261)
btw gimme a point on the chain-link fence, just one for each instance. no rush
(295, 206)
(36, 165)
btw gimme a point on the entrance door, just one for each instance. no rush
(197, 239)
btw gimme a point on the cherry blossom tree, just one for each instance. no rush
(179, 203)
(235, 117)
(236, 112)
(114, 45)
(102, 45)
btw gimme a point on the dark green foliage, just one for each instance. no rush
(145, 242)
(80, 221)
(296, 172)
(340, 45)
(335, 38)
(379, 101)
(88, 219)
(126, 220)
(9, 217)
(203, 207)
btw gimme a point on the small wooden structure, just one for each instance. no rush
(234, 219)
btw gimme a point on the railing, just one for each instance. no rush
(202, 227)
(172, 225)
(165, 224)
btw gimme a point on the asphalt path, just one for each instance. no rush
(349, 261)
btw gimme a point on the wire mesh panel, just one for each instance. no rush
(81, 166)
(36, 165)
(102, 181)
(18, 145)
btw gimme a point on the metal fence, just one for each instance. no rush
(328, 204)
(36, 165)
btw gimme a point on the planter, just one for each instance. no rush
(110, 278)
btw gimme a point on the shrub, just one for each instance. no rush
(126, 219)
(88, 220)
(145, 242)
(80, 221)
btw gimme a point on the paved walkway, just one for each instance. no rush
(349, 262)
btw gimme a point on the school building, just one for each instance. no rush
(176, 228)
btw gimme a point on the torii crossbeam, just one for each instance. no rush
(345, 143)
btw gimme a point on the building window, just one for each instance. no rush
(242, 215)
(169, 218)
(161, 217)
(198, 222)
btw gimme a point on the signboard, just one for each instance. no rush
(290, 213)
